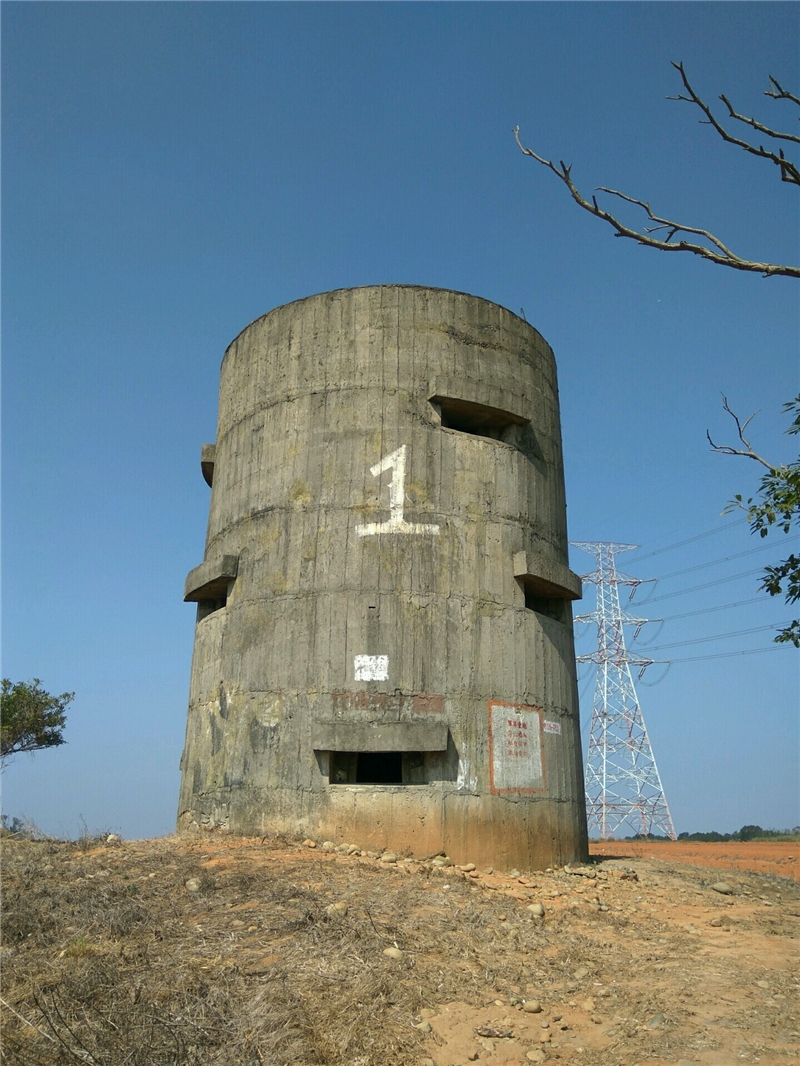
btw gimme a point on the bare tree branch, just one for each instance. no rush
(723, 257)
(25, 1020)
(664, 223)
(758, 125)
(726, 449)
(779, 93)
(789, 171)
(719, 253)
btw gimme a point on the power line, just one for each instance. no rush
(724, 559)
(729, 654)
(719, 636)
(704, 658)
(696, 588)
(709, 610)
(692, 614)
(690, 540)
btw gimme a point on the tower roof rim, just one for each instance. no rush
(385, 285)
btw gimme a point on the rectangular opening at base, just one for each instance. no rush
(377, 768)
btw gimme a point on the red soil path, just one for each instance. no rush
(778, 857)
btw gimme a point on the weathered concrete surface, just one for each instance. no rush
(386, 552)
(210, 578)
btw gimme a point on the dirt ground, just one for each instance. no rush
(779, 857)
(226, 952)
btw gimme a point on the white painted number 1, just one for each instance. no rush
(396, 523)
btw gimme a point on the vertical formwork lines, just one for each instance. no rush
(335, 386)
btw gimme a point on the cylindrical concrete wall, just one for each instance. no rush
(384, 652)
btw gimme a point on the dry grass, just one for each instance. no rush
(224, 952)
(111, 960)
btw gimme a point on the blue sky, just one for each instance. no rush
(173, 171)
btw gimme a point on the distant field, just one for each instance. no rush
(778, 857)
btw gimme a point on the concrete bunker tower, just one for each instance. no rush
(383, 650)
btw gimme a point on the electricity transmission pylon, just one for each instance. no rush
(623, 786)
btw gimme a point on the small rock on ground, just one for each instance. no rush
(336, 910)
(723, 887)
(393, 953)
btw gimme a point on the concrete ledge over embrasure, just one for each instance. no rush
(382, 455)
(209, 580)
(546, 576)
(380, 736)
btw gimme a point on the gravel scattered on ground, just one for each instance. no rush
(215, 951)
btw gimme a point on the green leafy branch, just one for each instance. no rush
(777, 504)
